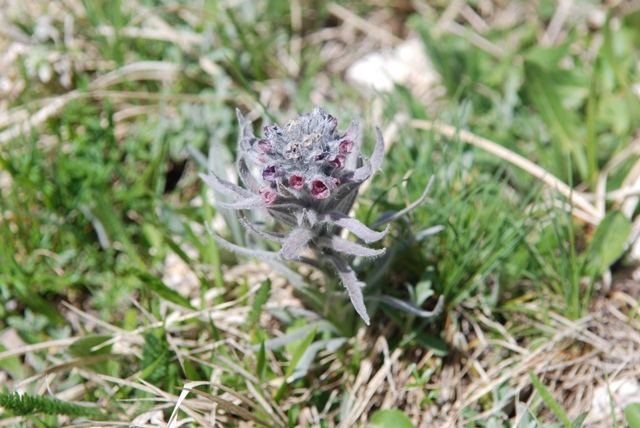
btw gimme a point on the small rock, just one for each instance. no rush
(407, 64)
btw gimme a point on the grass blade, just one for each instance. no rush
(261, 365)
(232, 408)
(162, 289)
(297, 355)
(551, 402)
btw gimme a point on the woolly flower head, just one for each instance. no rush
(305, 159)
(307, 176)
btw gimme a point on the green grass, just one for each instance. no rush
(116, 304)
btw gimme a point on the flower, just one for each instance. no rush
(337, 162)
(311, 173)
(296, 181)
(272, 172)
(319, 189)
(346, 146)
(268, 194)
(264, 146)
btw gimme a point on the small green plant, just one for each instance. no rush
(389, 418)
(310, 176)
(555, 406)
(27, 405)
(570, 274)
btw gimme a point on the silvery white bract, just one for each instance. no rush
(309, 175)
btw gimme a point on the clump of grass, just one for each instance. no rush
(28, 405)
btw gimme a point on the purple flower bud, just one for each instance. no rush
(272, 130)
(337, 162)
(264, 146)
(321, 156)
(332, 122)
(319, 189)
(268, 194)
(296, 181)
(272, 172)
(346, 145)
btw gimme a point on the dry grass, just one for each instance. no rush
(576, 360)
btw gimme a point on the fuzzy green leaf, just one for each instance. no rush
(83, 347)
(12, 365)
(109, 226)
(162, 289)
(609, 240)
(433, 343)
(577, 422)
(292, 416)
(259, 301)
(551, 402)
(261, 365)
(546, 98)
(632, 415)
(390, 419)
(295, 357)
(155, 359)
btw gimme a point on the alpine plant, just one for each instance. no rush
(308, 175)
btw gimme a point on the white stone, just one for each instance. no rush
(407, 64)
(624, 391)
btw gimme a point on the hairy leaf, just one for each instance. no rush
(354, 226)
(295, 242)
(353, 286)
(342, 245)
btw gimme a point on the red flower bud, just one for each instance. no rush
(346, 146)
(319, 189)
(337, 162)
(268, 194)
(296, 181)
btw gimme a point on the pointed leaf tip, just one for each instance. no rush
(353, 286)
(240, 117)
(378, 152)
(354, 226)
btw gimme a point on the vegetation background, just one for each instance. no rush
(117, 308)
